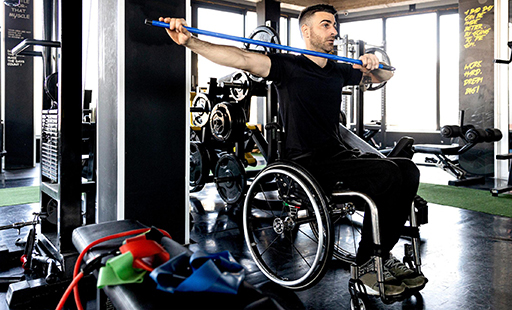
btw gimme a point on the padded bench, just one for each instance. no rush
(145, 295)
(437, 149)
(442, 151)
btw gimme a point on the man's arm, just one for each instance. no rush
(230, 56)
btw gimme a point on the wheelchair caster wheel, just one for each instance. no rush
(357, 304)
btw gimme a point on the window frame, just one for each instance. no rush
(426, 137)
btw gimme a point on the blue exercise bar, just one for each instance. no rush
(267, 44)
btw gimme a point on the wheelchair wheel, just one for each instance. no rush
(283, 209)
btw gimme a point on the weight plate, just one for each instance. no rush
(199, 166)
(240, 93)
(266, 34)
(230, 179)
(227, 121)
(201, 101)
(384, 58)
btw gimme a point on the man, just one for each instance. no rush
(309, 92)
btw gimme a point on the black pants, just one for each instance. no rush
(392, 184)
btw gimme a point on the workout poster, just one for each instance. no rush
(19, 87)
(476, 88)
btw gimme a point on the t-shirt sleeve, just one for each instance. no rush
(277, 68)
(351, 76)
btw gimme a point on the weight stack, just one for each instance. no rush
(49, 144)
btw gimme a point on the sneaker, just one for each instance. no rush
(400, 271)
(392, 286)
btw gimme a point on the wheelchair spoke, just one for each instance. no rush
(269, 246)
(266, 200)
(300, 254)
(308, 236)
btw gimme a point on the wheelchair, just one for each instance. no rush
(291, 227)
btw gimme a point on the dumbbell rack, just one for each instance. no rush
(223, 139)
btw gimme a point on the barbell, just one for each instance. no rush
(267, 44)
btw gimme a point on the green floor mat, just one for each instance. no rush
(19, 195)
(466, 198)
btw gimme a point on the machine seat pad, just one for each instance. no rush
(437, 149)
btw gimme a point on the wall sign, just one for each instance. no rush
(476, 88)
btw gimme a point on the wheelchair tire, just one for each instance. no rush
(283, 207)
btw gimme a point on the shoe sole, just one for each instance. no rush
(373, 292)
(417, 288)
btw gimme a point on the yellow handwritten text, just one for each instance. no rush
(472, 77)
(474, 31)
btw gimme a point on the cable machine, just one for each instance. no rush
(68, 187)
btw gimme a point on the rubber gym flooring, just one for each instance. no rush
(466, 255)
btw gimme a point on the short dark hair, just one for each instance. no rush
(310, 10)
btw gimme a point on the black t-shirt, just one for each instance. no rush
(309, 101)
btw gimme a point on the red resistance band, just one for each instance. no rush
(146, 253)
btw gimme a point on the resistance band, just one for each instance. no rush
(77, 274)
(267, 44)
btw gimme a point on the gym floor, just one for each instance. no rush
(465, 254)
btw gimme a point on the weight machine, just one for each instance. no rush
(68, 181)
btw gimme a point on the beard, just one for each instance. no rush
(321, 44)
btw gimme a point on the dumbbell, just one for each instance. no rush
(450, 131)
(483, 135)
(455, 131)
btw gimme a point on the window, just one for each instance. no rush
(411, 94)
(251, 22)
(449, 69)
(223, 22)
(369, 31)
(295, 39)
(283, 30)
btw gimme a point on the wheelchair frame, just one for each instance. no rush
(287, 217)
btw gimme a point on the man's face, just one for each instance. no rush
(321, 32)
